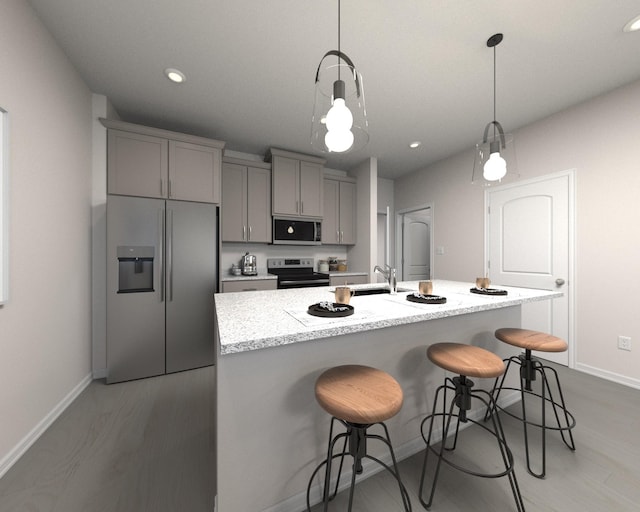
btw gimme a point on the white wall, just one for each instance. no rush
(599, 138)
(386, 198)
(363, 255)
(45, 328)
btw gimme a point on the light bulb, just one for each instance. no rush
(495, 168)
(339, 116)
(338, 141)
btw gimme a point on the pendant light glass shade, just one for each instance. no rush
(339, 121)
(495, 156)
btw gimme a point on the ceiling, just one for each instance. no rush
(427, 72)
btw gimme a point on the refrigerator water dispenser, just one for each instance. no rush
(135, 268)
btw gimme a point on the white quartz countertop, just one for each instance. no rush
(263, 319)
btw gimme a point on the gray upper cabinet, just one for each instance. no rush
(194, 172)
(150, 162)
(246, 201)
(138, 165)
(339, 223)
(297, 184)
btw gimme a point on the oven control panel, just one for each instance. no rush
(285, 263)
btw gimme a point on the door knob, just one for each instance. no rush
(559, 281)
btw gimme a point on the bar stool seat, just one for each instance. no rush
(466, 361)
(530, 368)
(359, 394)
(357, 397)
(531, 340)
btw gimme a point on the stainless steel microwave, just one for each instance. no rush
(297, 232)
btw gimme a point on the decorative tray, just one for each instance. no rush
(488, 291)
(426, 299)
(330, 309)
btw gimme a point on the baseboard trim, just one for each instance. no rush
(100, 373)
(370, 468)
(18, 451)
(614, 377)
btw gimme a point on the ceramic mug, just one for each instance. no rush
(343, 294)
(425, 287)
(483, 283)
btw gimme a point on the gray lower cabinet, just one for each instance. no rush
(339, 222)
(342, 280)
(249, 285)
(149, 162)
(246, 202)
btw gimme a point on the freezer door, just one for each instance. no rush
(135, 310)
(192, 244)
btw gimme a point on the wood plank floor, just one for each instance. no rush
(147, 446)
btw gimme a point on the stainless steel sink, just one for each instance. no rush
(376, 291)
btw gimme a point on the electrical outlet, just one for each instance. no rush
(624, 343)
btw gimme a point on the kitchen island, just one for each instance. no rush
(270, 431)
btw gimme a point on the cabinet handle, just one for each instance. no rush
(244, 232)
(249, 239)
(297, 207)
(170, 189)
(161, 187)
(301, 207)
(337, 236)
(341, 236)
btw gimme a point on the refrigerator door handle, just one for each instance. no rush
(161, 251)
(170, 254)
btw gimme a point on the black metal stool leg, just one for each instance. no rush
(569, 421)
(530, 368)
(355, 445)
(446, 422)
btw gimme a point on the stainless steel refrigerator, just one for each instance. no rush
(161, 276)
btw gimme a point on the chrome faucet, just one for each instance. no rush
(389, 274)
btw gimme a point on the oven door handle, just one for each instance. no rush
(320, 282)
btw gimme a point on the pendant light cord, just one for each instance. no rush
(494, 91)
(339, 41)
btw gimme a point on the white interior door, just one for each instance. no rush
(416, 245)
(530, 230)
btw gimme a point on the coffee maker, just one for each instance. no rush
(249, 266)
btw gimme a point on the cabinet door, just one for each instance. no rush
(249, 285)
(286, 186)
(234, 203)
(337, 280)
(347, 213)
(258, 205)
(330, 226)
(311, 188)
(194, 172)
(191, 248)
(136, 165)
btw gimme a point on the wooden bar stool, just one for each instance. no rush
(358, 397)
(530, 367)
(465, 361)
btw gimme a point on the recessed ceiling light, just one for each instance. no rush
(633, 25)
(415, 144)
(175, 75)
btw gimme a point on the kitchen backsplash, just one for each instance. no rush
(231, 253)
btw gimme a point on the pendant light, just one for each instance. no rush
(495, 155)
(339, 122)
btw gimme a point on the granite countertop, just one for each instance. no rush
(262, 274)
(263, 319)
